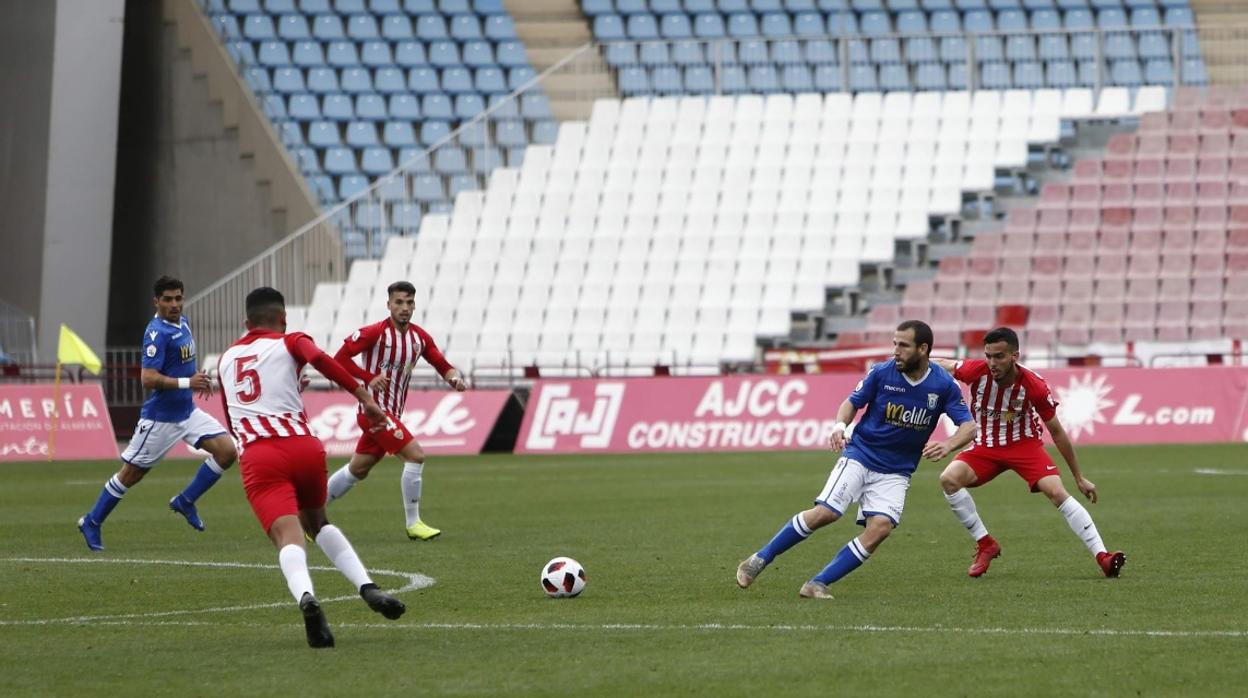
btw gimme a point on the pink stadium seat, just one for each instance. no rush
(1206, 312)
(1088, 171)
(1154, 122)
(952, 268)
(1237, 240)
(1084, 221)
(1052, 221)
(1044, 290)
(1173, 333)
(1177, 240)
(1139, 333)
(1116, 170)
(1239, 216)
(976, 317)
(1046, 266)
(1214, 144)
(1239, 121)
(1015, 292)
(1213, 121)
(1236, 264)
(1185, 123)
(1142, 289)
(1149, 193)
(1187, 99)
(947, 320)
(1015, 267)
(1018, 245)
(981, 290)
(1181, 193)
(1054, 195)
(1180, 168)
(1085, 196)
(1147, 220)
(1212, 240)
(1212, 193)
(1143, 266)
(1238, 195)
(1081, 241)
(950, 290)
(985, 246)
(1150, 169)
(1113, 241)
(1181, 147)
(1111, 289)
(883, 317)
(1121, 146)
(1079, 266)
(1207, 288)
(1116, 219)
(982, 267)
(1020, 220)
(1151, 146)
(1214, 170)
(1042, 315)
(1210, 217)
(1077, 290)
(1176, 289)
(1235, 309)
(911, 310)
(1172, 312)
(1037, 338)
(1205, 332)
(920, 293)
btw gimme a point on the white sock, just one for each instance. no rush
(1080, 521)
(963, 506)
(411, 485)
(341, 482)
(212, 465)
(294, 562)
(339, 551)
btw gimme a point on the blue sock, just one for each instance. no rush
(789, 535)
(109, 497)
(207, 475)
(849, 559)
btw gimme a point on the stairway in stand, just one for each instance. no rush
(1223, 38)
(550, 30)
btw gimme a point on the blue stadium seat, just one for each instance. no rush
(288, 80)
(398, 134)
(291, 134)
(258, 27)
(423, 81)
(593, 8)
(953, 49)
(930, 76)
(1153, 45)
(808, 24)
(642, 27)
(519, 77)
(820, 52)
(827, 78)
(1089, 73)
(500, 28)
(978, 22)
(1042, 20)
(350, 185)
(1158, 71)
(465, 28)
(376, 161)
(753, 53)
(1012, 21)
(371, 107)
(1079, 19)
(305, 158)
(273, 54)
(742, 25)
(431, 28)
(315, 7)
(502, 107)
(293, 27)
(475, 134)
(437, 107)
(427, 188)
(444, 54)
(511, 54)
(696, 6)
(376, 54)
(243, 6)
(705, 26)
(654, 53)
(621, 54)
(1113, 18)
(389, 80)
(763, 79)
(776, 24)
(989, 48)
(241, 52)
(227, 27)
(921, 49)
(785, 52)
(894, 77)
(414, 160)
(1126, 73)
(396, 28)
(688, 53)
(274, 107)
(885, 51)
(1145, 17)
(404, 106)
(675, 26)
(1194, 72)
(405, 216)
(361, 134)
(510, 134)
(634, 81)
(956, 77)
(369, 215)
(409, 54)
(342, 54)
(461, 183)
(303, 107)
(339, 161)
(346, 7)
(666, 80)
(1020, 48)
(328, 27)
(468, 106)
(1119, 46)
(796, 78)
(337, 107)
(699, 80)
(1029, 75)
(731, 6)
(535, 105)
(457, 81)
(420, 7)
(763, 6)
(946, 22)
(545, 132)
(432, 132)
(1084, 46)
(490, 81)
(1178, 17)
(858, 51)
(454, 7)
(354, 242)
(732, 80)
(357, 80)
(862, 78)
(478, 54)
(1053, 47)
(486, 160)
(308, 54)
(609, 28)
(911, 22)
(875, 23)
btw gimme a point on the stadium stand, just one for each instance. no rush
(765, 46)
(749, 207)
(1147, 243)
(357, 87)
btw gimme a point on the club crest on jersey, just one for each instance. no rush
(150, 351)
(398, 433)
(932, 400)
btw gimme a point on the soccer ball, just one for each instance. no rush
(563, 577)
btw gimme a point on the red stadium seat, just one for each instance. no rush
(1087, 171)
(1111, 264)
(1150, 169)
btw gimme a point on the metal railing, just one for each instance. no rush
(17, 334)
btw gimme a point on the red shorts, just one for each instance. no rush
(377, 444)
(1027, 458)
(282, 476)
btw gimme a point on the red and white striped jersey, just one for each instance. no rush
(1007, 414)
(385, 351)
(260, 387)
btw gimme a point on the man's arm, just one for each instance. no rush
(304, 349)
(963, 436)
(155, 380)
(947, 364)
(1062, 441)
(346, 354)
(434, 356)
(844, 415)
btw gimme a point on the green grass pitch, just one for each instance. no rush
(660, 537)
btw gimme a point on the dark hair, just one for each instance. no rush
(166, 283)
(922, 333)
(1002, 334)
(401, 287)
(265, 306)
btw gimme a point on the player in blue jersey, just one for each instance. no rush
(168, 415)
(904, 399)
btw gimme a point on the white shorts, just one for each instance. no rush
(877, 494)
(152, 439)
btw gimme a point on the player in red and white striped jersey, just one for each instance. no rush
(389, 351)
(1011, 402)
(283, 463)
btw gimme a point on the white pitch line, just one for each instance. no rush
(414, 581)
(1215, 471)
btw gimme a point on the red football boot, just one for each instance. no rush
(1111, 563)
(988, 550)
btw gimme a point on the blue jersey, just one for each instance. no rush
(170, 349)
(901, 416)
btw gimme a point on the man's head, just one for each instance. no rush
(167, 294)
(266, 309)
(912, 343)
(1001, 350)
(401, 302)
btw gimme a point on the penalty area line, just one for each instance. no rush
(413, 581)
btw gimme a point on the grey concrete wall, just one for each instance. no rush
(82, 150)
(26, 39)
(188, 200)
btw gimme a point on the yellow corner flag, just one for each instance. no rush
(72, 350)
